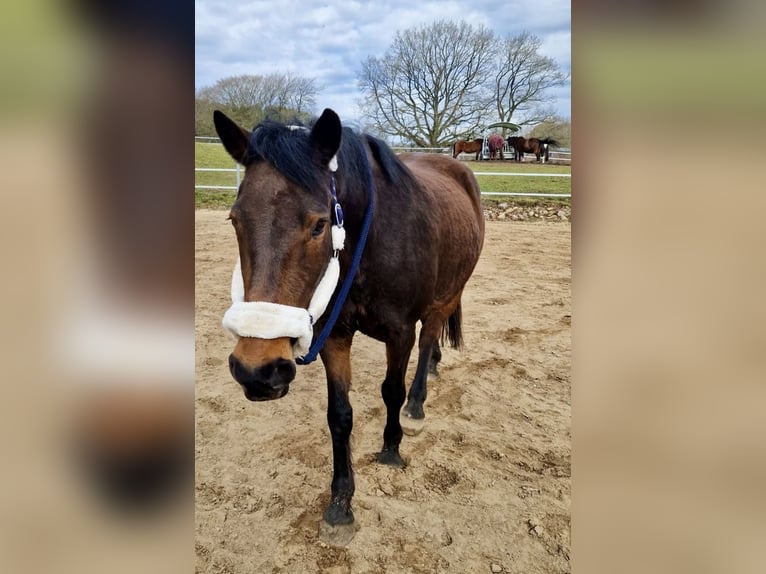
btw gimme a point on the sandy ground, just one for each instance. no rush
(487, 485)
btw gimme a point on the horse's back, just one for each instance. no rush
(449, 185)
(427, 234)
(451, 209)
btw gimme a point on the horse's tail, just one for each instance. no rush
(550, 141)
(453, 328)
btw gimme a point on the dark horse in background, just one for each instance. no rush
(425, 238)
(465, 146)
(539, 147)
(517, 155)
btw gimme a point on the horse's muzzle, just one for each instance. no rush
(265, 383)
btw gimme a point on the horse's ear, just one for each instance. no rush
(325, 137)
(233, 137)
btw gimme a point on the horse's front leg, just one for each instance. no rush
(397, 356)
(336, 358)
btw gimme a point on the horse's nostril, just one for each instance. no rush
(285, 370)
(277, 373)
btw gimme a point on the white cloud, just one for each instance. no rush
(330, 40)
(558, 46)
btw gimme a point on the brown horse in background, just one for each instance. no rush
(465, 146)
(425, 235)
(495, 143)
(539, 147)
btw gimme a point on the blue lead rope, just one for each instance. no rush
(317, 345)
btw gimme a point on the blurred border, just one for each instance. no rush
(669, 275)
(97, 240)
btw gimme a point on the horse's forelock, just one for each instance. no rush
(288, 150)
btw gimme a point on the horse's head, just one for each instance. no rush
(282, 219)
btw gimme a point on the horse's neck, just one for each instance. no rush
(353, 197)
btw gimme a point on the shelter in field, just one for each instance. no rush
(513, 128)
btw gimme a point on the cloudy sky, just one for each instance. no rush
(329, 40)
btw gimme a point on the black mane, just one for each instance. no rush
(289, 150)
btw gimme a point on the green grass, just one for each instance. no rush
(213, 155)
(494, 183)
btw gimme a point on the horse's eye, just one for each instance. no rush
(318, 228)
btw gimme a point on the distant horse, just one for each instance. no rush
(539, 147)
(495, 143)
(407, 259)
(465, 146)
(517, 155)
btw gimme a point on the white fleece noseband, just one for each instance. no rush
(264, 320)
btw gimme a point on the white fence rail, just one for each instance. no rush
(553, 155)
(523, 194)
(238, 171)
(402, 149)
(507, 173)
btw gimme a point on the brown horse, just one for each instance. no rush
(422, 219)
(495, 143)
(539, 147)
(464, 146)
(512, 140)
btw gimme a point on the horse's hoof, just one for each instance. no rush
(338, 514)
(391, 458)
(411, 426)
(414, 410)
(338, 534)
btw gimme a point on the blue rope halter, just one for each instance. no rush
(317, 345)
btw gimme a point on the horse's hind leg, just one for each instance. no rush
(397, 356)
(428, 342)
(436, 357)
(418, 390)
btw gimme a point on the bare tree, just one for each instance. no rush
(301, 93)
(203, 114)
(248, 99)
(430, 86)
(522, 79)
